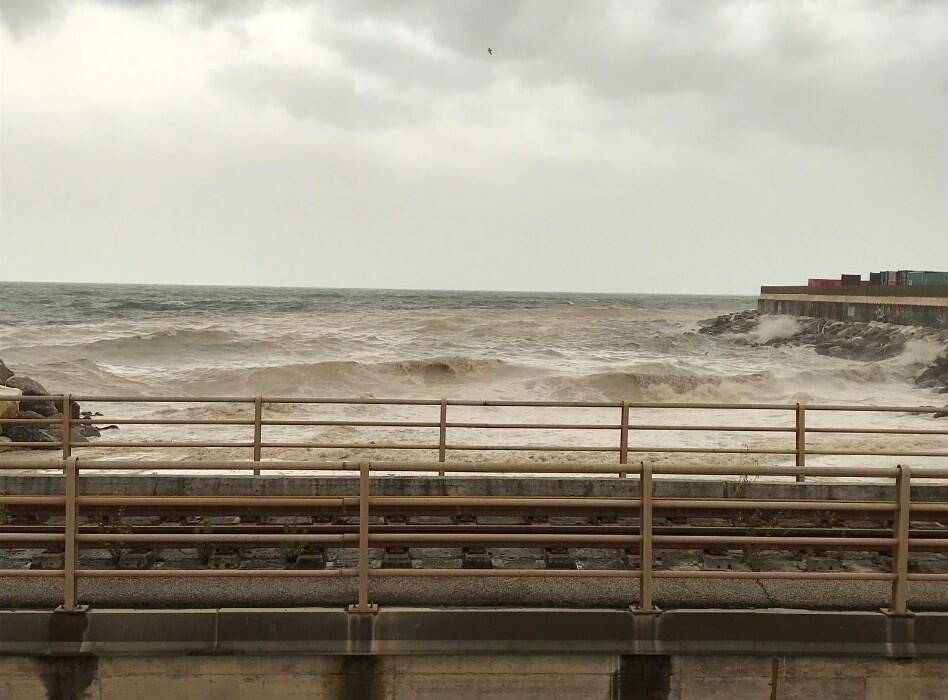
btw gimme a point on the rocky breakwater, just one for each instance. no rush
(15, 402)
(854, 340)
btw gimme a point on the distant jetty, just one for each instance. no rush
(906, 297)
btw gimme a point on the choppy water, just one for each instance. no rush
(104, 339)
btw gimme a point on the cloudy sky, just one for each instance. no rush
(666, 146)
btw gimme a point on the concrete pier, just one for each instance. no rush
(913, 306)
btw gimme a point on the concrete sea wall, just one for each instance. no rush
(913, 306)
(420, 654)
(930, 316)
(517, 677)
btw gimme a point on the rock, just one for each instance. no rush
(9, 402)
(76, 433)
(74, 409)
(44, 408)
(936, 376)
(852, 340)
(88, 431)
(29, 432)
(5, 373)
(739, 322)
(31, 387)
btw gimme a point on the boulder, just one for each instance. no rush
(5, 373)
(77, 432)
(29, 432)
(739, 322)
(44, 408)
(936, 376)
(9, 402)
(31, 387)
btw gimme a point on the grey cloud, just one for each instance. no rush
(330, 98)
(409, 67)
(803, 78)
(21, 16)
(205, 10)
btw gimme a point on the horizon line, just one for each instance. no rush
(378, 289)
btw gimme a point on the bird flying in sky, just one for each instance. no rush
(490, 51)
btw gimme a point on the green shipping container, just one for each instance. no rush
(916, 279)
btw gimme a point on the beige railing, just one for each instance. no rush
(893, 535)
(623, 446)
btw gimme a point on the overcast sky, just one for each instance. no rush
(667, 146)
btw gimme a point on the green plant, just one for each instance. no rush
(290, 551)
(114, 525)
(204, 549)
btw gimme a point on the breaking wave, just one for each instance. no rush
(351, 376)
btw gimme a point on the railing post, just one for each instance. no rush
(70, 550)
(67, 426)
(443, 434)
(363, 605)
(801, 439)
(624, 437)
(645, 546)
(903, 516)
(257, 431)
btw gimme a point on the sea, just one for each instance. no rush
(200, 341)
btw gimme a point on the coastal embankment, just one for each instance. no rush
(851, 340)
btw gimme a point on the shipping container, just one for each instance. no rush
(851, 280)
(917, 279)
(875, 279)
(817, 282)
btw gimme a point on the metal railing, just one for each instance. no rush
(896, 539)
(623, 447)
(628, 424)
